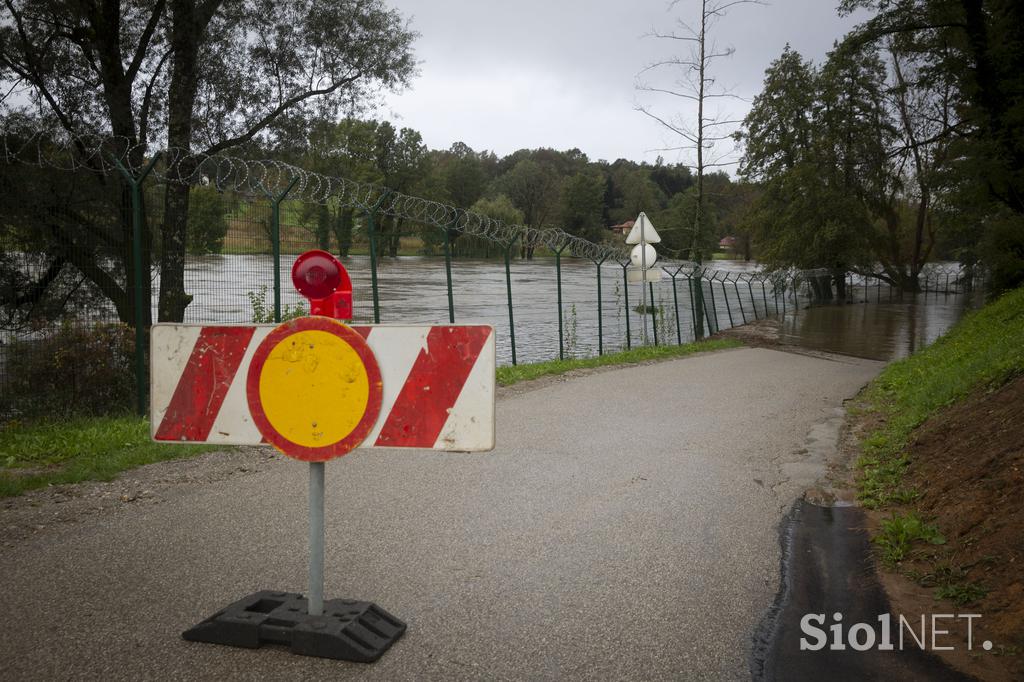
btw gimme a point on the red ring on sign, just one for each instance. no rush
(365, 424)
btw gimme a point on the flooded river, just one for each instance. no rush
(412, 290)
(879, 331)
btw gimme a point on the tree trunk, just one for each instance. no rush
(323, 227)
(839, 277)
(395, 238)
(343, 230)
(187, 26)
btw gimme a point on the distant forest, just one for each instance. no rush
(538, 188)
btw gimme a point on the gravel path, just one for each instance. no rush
(625, 527)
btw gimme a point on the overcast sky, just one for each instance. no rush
(560, 73)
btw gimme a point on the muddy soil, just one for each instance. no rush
(969, 464)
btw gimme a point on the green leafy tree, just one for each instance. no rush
(972, 52)
(200, 76)
(637, 192)
(534, 189)
(581, 206)
(207, 220)
(402, 161)
(498, 207)
(819, 140)
(779, 129)
(346, 149)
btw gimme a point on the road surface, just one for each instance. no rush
(626, 526)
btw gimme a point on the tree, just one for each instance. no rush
(197, 75)
(346, 149)
(581, 205)
(971, 53)
(637, 192)
(534, 189)
(779, 127)
(498, 208)
(692, 82)
(401, 161)
(207, 220)
(844, 138)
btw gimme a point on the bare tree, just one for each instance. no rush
(709, 135)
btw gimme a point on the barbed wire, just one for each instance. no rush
(102, 154)
(270, 178)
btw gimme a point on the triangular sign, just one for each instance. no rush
(642, 227)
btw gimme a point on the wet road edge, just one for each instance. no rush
(826, 566)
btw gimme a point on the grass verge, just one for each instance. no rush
(514, 374)
(983, 351)
(38, 454)
(88, 449)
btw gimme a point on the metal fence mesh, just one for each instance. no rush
(68, 287)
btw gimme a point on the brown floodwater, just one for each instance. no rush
(877, 330)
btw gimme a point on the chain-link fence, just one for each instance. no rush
(96, 247)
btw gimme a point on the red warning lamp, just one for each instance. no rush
(322, 279)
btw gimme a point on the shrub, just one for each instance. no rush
(70, 370)
(207, 220)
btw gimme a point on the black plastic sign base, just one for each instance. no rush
(348, 630)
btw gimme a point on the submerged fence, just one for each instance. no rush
(87, 249)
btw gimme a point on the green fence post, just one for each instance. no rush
(693, 306)
(558, 275)
(675, 303)
(654, 313)
(739, 298)
(728, 309)
(508, 289)
(714, 306)
(448, 267)
(707, 312)
(600, 313)
(140, 305)
(796, 298)
(275, 237)
(371, 231)
(750, 288)
(625, 291)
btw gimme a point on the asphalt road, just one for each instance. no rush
(624, 528)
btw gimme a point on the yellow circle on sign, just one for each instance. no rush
(314, 388)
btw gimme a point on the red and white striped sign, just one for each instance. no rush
(438, 385)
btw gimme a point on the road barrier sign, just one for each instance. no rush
(437, 385)
(314, 389)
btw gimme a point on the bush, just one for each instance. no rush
(70, 370)
(1003, 251)
(207, 220)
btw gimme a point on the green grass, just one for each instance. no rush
(86, 449)
(962, 594)
(900, 533)
(983, 351)
(513, 375)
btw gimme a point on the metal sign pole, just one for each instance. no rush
(643, 272)
(316, 538)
